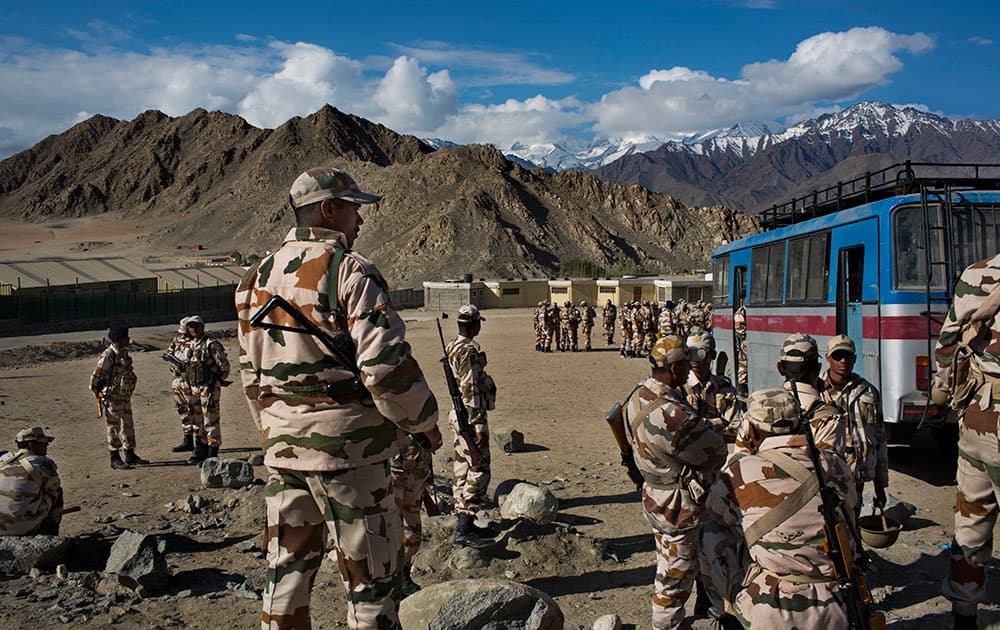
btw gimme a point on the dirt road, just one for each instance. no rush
(598, 560)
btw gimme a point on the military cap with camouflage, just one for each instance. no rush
(668, 350)
(326, 182)
(799, 348)
(772, 411)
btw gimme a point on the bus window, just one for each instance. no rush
(975, 233)
(808, 268)
(720, 281)
(910, 249)
(767, 273)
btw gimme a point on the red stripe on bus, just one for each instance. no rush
(890, 327)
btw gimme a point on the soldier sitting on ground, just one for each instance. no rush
(31, 496)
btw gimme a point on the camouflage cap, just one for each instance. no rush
(668, 350)
(772, 411)
(326, 182)
(195, 319)
(701, 346)
(840, 342)
(799, 348)
(34, 434)
(583, 302)
(182, 325)
(469, 313)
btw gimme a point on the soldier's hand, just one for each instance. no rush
(434, 438)
(880, 498)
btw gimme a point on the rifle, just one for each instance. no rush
(461, 413)
(342, 347)
(71, 509)
(169, 357)
(428, 498)
(100, 406)
(850, 576)
(616, 420)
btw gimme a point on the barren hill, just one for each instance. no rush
(446, 212)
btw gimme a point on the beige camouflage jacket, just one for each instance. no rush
(868, 453)
(468, 364)
(114, 376)
(677, 453)
(207, 361)
(31, 496)
(827, 422)
(284, 373)
(716, 399)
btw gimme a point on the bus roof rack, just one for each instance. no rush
(899, 179)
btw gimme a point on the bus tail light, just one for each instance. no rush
(922, 371)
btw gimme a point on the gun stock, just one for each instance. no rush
(457, 404)
(616, 421)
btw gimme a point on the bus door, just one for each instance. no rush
(857, 282)
(740, 367)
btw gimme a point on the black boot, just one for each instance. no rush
(466, 536)
(409, 586)
(701, 601)
(965, 622)
(200, 453)
(213, 450)
(117, 463)
(725, 621)
(186, 445)
(132, 459)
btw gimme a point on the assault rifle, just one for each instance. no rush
(428, 498)
(171, 358)
(461, 413)
(850, 577)
(616, 420)
(341, 347)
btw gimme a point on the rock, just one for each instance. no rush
(185, 593)
(531, 502)
(607, 622)
(244, 591)
(103, 519)
(895, 508)
(257, 460)
(194, 503)
(35, 573)
(141, 558)
(110, 531)
(217, 472)
(503, 489)
(20, 554)
(508, 440)
(477, 604)
(62, 571)
(463, 558)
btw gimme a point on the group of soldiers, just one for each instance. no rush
(643, 322)
(200, 369)
(561, 326)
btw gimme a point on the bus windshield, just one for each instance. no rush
(910, 246)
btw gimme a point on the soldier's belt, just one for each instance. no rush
(341, 391)
(798, 579)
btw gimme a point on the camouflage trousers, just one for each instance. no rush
(626, 339)
(187, 407)
(352, 515)
(742, 373)
(119, 424)
(722, 563)
(976, 509)
(574, 336)
(471, 480)
(587, 331)
(609, 330)
(410, 471)
(209, 427)
(564, 337)
(769, 602)
(550, 336)
(676, 571)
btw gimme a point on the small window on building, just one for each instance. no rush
(767, 273)
(512, 291)
(560, 290)
(606, 290)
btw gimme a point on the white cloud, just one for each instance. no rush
(535, 120)
(489, 67)
(981, 41)
(824, 68)
(411, 99)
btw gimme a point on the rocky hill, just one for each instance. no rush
(222, 182)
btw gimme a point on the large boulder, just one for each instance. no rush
(141, 558)
(20, 554)
(531, 502)
(480, 605)
(217, 472)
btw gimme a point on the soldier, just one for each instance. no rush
(31, 496)
(472, 471)
(574, 326)
(113, 382)
(328, 486)
(207, 369)
(410, 470)
(589, 315)
(651, 315)
(676, 451)
(538, 326)
(861, 403)
(968, 373)
(626, 349)
(187, 408)
(740, 336)
(608, 315)
(665, 325)
(551, 326)
(712, 395)
(790, 582)
(564, 325)
(799, 362)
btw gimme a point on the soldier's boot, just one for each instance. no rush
(200, 453)
(132, 459)
(466, 536)
(965, 622)
(725, 621)
(701, 602)
(186, 445)
(117, 463)
(409, 586)
(213, 450)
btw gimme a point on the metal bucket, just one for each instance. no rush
(878, 531)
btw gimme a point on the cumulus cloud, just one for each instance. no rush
(535, 120)
(823, 68)
(410, 98)
(488, 67)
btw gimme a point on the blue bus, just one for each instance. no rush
(875, 258)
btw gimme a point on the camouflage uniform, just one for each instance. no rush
(207, 368)
(626, 317)
(676, 451)
(589, 315)
(574, 326)
(551, 327)
(187, 407)
(564, 325)
(410, 470)
(665, 325)
(329, 486)
(790, 581)
(31, 496)
(740, 335)
(978, 405)
(114, 379)
(468, 363)
(538, 325)
(715, 399)
(609, 315)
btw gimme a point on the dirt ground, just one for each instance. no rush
(597, 559)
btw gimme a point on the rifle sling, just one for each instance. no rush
(791, 503)
(333, 278)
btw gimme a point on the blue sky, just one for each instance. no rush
(495, 72)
